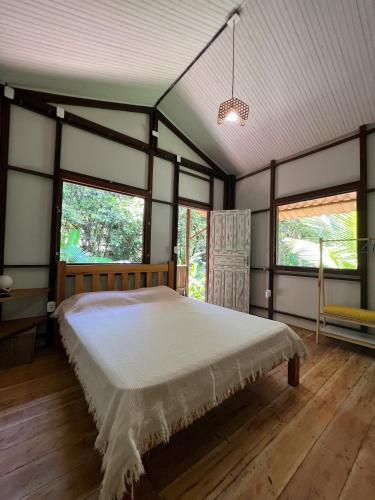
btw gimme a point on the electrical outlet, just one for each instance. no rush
(51, 306)
(60, 112)
(9, 92)
(268, 294)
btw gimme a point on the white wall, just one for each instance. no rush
(29, 197)
(162, 188)
(161, 232)
(219, 187)
(334, 166)
(31, 140)
(29, 204)
(194, 188)
(170, 142)
(93, 155)
(254, 192)
(133, 124)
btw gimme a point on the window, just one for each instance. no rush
(301, 224)
(100, 226)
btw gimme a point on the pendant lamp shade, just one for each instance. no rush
(233, 110)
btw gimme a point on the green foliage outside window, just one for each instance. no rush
(298, 241)
(197, 250)
(100, 226)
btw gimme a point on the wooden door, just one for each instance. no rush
(229, 259)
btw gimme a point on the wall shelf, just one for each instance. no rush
(13, 326)
(365, 340)
(23, 293)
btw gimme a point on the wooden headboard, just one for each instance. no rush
(95, 271)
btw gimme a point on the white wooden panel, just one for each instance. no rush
(27, 278)
(259, 284)
(28, 219)
(218, 194)
(260, 239)
(163, 180)
(371, 160)
(371, 256)
(170, 142)
(134, 124)
(333, 166)
(254, 192)
(93, 155)
(193, 188)
(299, 295)
(191, 171)
(31, 140)
(161, 233)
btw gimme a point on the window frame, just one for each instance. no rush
(105, 185)
(350, 187)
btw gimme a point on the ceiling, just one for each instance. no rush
(123, 50)
(306, 68)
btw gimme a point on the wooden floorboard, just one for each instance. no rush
(269, 441)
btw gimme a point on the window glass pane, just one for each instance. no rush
(301, 224)
(100, 226)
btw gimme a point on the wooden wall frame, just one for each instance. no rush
(39, 102)
(360, 186)
(4, 148)
(362, 214)
(272, 237)
(310, 195)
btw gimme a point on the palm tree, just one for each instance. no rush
(298, 241)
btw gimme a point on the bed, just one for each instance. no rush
(151, 361)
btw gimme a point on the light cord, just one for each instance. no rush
(234, 27)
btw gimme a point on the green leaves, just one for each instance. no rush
(100, 226)
(298, 241)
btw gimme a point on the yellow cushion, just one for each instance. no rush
(351, 313)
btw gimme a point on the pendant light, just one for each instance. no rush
(233, 110)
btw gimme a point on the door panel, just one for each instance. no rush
(228, 289)
(229, 264)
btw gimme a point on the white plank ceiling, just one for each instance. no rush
(305, 67)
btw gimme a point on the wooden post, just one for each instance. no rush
(320, 277)
(362, 219)
(54, 254)
(176, 178)
(4, 146)
(272, 238)
(171, 274)
(293, 370)
(187, 251)
(60, 285)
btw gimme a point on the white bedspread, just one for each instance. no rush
(151, 362)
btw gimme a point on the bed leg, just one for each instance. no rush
(143, 490)
(293, 370)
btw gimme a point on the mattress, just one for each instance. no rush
(151, 362)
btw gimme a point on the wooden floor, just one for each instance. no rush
(270, 441)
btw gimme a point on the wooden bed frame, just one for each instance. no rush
(153, 275)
